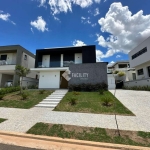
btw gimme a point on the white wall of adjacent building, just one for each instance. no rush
(142, 58)
(49, 79)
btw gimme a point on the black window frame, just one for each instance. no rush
(144, 50)
(140, 72)
(25, 57)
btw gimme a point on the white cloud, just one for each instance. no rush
(39, 24)
(78, 43)
(118, 56)
(105, 0)
(31, 30)
(5, 17)
(58, 6)
(97, 1)
(111, 63)
(96, 12)
(126, 30)
(93, 25)
(85, 20)
(42, 3)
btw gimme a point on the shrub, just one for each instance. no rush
(41, 91)
(24, 96)
(73, 101)
(101, 91)
(116, 72)
(120, 74)
(76, 93)
(9, 90)
(88, 87)
(107, 101)
(32, 87)
(1, 96)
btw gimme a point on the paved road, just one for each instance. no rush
(20, 120)
(12, 147)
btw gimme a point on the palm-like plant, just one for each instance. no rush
(21, 72)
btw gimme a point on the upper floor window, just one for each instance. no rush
(144, 50)
(25, 57)
(122, 65)
(140, 72)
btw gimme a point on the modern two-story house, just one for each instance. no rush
(140, 60)
(10, 56)
(59, 67)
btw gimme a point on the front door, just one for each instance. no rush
(63, 81)
(134, 76)
(148, 68)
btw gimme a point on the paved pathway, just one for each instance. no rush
(52, 100)
(20, 120)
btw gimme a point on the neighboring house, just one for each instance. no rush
(10, 56)
(140, 60)
(51, 63)
(122, 66)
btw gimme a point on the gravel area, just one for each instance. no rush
(20, 120)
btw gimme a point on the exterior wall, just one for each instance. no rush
(111, 81)
(5, 77)
(142, 82)
(0, 79)
(29, 81)
(142, 58)
(144, 67)
(97, 73)
(49, 79)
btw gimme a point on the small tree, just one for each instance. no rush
(21, 72)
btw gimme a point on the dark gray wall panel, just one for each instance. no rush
(97, 73)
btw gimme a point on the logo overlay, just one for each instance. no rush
(68, 75)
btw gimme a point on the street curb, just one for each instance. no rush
(72, 141)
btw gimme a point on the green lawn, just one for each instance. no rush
(14, 100)
(91, 102)
(1, 120)
(90, 134)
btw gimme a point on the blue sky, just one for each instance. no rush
(115, 27)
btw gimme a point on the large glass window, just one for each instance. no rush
(140, 72)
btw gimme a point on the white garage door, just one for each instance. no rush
(49, 79)
(111, 81)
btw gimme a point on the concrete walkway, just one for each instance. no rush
(20, 120)
(52, 100)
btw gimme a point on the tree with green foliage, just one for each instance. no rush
(21, 72)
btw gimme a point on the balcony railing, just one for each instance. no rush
(4, 62)
(68, 63)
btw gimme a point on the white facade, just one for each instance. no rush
(142, 59)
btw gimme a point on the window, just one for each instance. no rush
(3, 57)
(140, 72)
(25, 57)
(144, 50)
(122, 65)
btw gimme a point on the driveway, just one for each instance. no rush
(20, 120)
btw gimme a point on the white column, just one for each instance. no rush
(61, 64)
